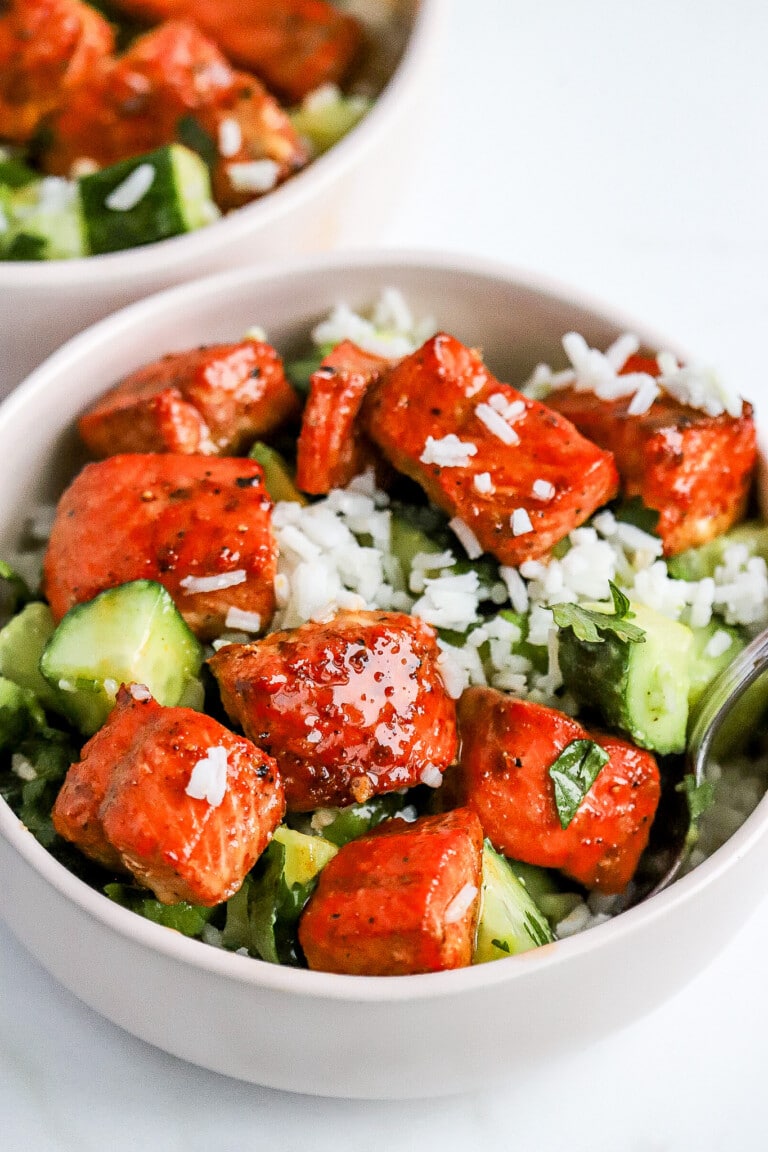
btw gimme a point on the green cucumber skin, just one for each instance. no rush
(510, 921)
(622, 681)
(130, 633)
(171, 206)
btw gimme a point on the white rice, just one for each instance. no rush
(208, 779)
(695, 385)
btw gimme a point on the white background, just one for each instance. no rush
(621, 148)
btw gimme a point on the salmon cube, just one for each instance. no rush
(349, 709)
(508, 746)
(133, 104)
(47, 48)
(294, 45)
(403, 899)
(208, 401)
(517, 474)
(266, 132)
(333, 447)
(199, 525)
(171, 82)
(76, 812)
(190, 807)
(695, 470)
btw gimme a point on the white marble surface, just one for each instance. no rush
(619, 148)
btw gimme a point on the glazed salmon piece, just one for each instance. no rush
(206, 401)
(401, 900)
(519, 475)
(349, 709)
(134, 104)
(293, 45)
(76, 813)
(187, 847)
(137, 813)
(508, 746)
(168, 518)
(47, 48)
(695, 470)
(265, 133)
(333, 447)
(171, 80)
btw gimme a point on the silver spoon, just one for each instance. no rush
(671, 841)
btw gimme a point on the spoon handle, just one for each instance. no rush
(721, 695)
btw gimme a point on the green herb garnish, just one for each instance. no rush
(573, 774)
(588, 624)
(700, 797)
(501, 945)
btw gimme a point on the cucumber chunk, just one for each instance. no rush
(709, 656)
(172, 191)
(326, 115)
(43, 221)
(129, 634)
(642, 689)
(510, 922)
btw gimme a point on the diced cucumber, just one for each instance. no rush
(510, 922)
(697, 563)
(277, 475)
(22, 641)
(641, 689)
(43, 221)
(129, 634)
(327, 115)
(545, 888)
(147, 198)
(704, 664)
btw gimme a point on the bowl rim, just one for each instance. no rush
(164, 256)
(300, 982)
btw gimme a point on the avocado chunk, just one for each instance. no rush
(129, 634)
(22, 642)
(510, 922)
(147, 198)
(277, 475)
(697, 563)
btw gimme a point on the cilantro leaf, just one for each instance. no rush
(501, 945)
(573, 773)
(700, 797)
(588, 623)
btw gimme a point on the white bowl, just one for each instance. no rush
(339, 199)
(309, 1031)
